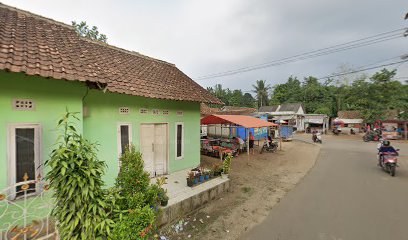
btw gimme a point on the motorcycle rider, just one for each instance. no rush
(385, 148)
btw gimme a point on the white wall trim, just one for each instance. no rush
(182, 140)
(11, 152)
(119, 139)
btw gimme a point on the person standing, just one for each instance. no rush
(251, 142)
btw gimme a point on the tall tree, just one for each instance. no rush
(89, 32)
(261, 90)
(289, 92)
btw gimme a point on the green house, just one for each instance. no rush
(122, 98)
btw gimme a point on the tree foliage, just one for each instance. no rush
(261, 89)
(232, 97)
(89, 32)
(371, 96)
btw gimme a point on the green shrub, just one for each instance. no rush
(137, 224)
(226, 164)
(82, 208)
(139, 199)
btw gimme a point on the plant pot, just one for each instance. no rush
(195, 180)
(201, 178)
(206, 177)
(190, 182)
(211, 174)
(164, 203)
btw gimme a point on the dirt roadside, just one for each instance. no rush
(256, 186)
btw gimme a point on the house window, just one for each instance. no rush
(179, 140)
(124, 110)
(124, 138)
(166, 112)
(23, 104)
(180, 113)
(155, 111)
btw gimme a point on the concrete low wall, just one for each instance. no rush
(183, 207)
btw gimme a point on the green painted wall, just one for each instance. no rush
(101, 122)
(51, 98)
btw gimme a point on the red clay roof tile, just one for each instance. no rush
(40, 46)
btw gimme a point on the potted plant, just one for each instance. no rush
(201, 177)
(163, 198)
(190, 179)
(206, 175)
(211, 173)
(216, 169)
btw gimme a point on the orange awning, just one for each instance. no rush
(241, 120)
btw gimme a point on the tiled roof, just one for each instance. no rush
(352, 114)
(290, 107)
(40, 46)
(285, 107)
(206, 110)
(268, 108)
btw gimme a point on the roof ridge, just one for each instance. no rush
(2, 5)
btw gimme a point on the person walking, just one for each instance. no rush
(251, 142)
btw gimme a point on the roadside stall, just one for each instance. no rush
(233, 123)
(394, 129)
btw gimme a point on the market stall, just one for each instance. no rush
(236, 122)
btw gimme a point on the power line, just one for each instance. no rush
(361, 70)
(382, 37)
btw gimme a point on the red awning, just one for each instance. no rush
(241, 120)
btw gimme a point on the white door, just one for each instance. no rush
(147, 143)
(160, 148)
(154, 148)
(24, 155)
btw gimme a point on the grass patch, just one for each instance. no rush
(246, 189)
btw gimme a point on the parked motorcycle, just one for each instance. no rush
(336, 131)
(317, 138)
(352, 132)
(271, 148)
(371, 136)
(388, 162)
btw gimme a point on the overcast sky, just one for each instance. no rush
(209, 36)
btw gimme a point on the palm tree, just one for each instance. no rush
(261, 91)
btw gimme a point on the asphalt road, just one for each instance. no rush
(346, 196)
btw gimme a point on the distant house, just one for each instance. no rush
(349, 120)
(316, 122)
(121, 97)
(290, 113)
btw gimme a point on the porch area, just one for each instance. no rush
(184, 199)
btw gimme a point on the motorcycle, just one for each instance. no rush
(371, 136)
(352, 132)
(388, 162)
(317, 138)
(271, 148)
(336, 131)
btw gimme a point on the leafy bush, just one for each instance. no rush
(82, 208)
(137, 224)
(139, 199)
(226, 165)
